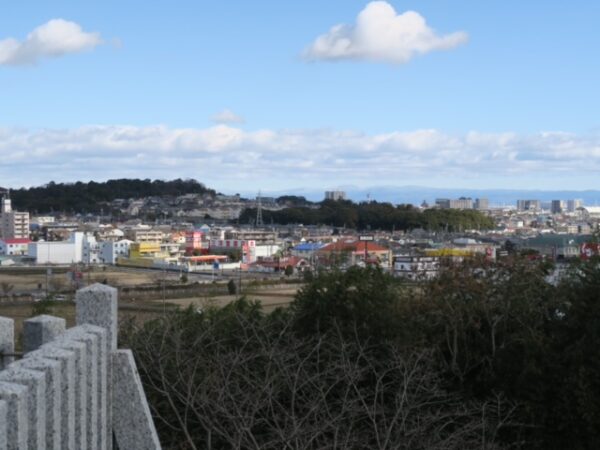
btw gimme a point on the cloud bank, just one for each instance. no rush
(381, 34)
(53, 39)
(227, 157)
(227, 116)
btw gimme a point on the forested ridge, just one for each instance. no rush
(489, 355)
(375, 215)
(93, 196)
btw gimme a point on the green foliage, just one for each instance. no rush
(481, 333)
(359, 300)
(232, 287)
(375, 215)
(92, 196)
(289, 271)
(42, 307)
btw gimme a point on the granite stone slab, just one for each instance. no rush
(132, 420)
(16, 398)
(52, 370)
(35, 381)
(67, 360)
(7, 340)
(40, 330)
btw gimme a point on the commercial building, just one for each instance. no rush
(58, 252)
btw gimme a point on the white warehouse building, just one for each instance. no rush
(58, 252)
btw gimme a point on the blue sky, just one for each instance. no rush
(240, 95)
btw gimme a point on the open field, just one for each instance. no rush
(270, 298)
(141, 310)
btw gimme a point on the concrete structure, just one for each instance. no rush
(557, 206)
(529, 205)
(481, 204)
(58, 252)
(73, 389)
(572, 205)
(335, 195)
(416, 267)
(13, 224)
(110, 250)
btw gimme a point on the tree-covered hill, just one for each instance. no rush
(90, 197)
(375, 215)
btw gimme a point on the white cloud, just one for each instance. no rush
(228, 157)
(227, 116)
(55, 38)
(381, 34)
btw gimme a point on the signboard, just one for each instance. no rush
(216, 265)
(366, 237)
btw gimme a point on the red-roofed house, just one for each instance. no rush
(17, 246)
(351, 252)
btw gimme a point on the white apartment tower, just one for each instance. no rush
(13, 224)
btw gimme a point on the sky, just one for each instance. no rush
(274, 95)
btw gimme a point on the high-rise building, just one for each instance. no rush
(529, 205)
(572, 205)
(335, 195)
(482, 203)
(13, 224)
(462, 203)
(557, 206)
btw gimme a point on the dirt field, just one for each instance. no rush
(28, 281)
(269, 298)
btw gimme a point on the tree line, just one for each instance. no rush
(375, 215)
(488, 355)
(93, 196)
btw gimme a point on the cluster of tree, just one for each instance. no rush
(92, 196)
(375, 215)
(488, 355)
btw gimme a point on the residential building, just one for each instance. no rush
(335, 195)
(17, 246)
(416, 267)
(482, 204)
(13, 224)
(557, 206)
(529, 205)
(572, 205)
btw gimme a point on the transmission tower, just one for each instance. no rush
(259, 217)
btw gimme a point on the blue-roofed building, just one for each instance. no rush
(307, 249)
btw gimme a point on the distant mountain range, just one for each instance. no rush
(416, 194)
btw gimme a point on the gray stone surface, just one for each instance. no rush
(3, 431)
(104, 431)
(97, 305)
(17, 425)
(40, 330)
(80, 376)
(66, 359)
(92, 343)
(52, 370)
(35, 381)
(7, 340)
(132, 420)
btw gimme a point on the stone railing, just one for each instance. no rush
(73, 389)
